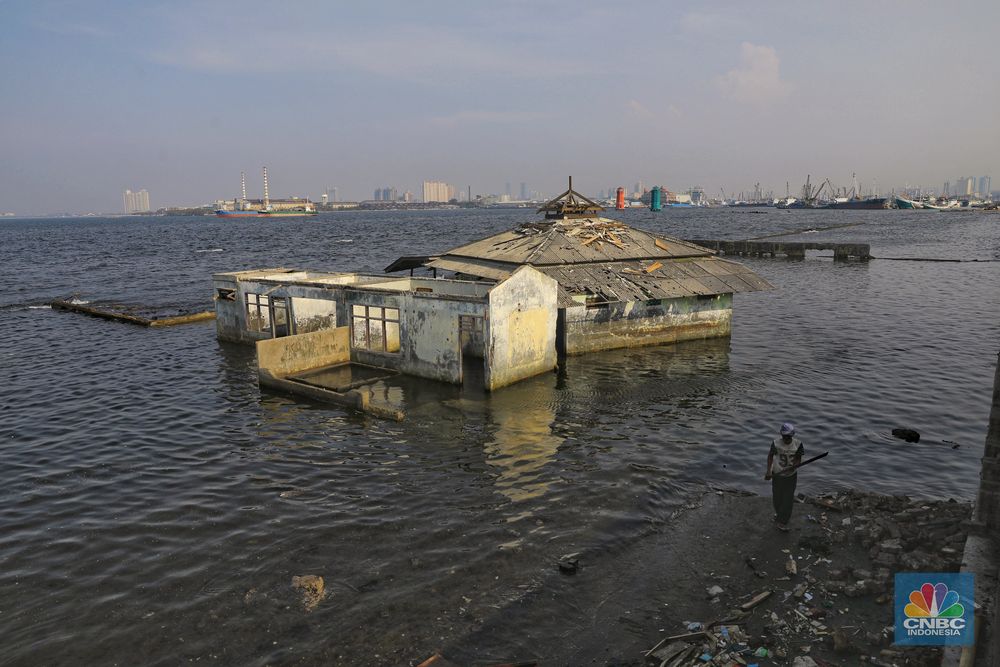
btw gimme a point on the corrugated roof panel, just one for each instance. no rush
(713, 266)
(692, 269)
(472, 268)
(714, 285)
(736, 284)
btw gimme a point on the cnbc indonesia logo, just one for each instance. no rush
(934, 608)
(933, 613)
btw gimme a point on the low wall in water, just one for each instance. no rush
(790, 249)
(280, 357)
(637, 323)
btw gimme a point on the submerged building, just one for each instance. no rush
(500, 309)
(617, 286)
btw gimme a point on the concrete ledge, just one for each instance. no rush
(108, 314)
(585, 338)
(358, 399)
(288, 355)
(980, 559)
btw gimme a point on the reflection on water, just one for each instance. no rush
(521, 440)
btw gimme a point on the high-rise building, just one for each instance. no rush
(135, 202)
(438, 191)
(377, 195)
(984, 186)
(946, 189)
(964, 186)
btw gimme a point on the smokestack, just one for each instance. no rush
(243, 184)
(267, 200)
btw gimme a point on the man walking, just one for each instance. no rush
(785, 454)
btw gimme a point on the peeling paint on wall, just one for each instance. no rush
(521, 328)
(637, 323)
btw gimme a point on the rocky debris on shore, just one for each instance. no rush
(827, 599)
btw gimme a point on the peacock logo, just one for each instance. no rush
(935, 608)
(934, 601)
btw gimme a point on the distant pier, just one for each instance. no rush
(842, 252)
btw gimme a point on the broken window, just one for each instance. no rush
(267, 314)
(279, 316)
(258, 313)
(225, 294)
(375, 328)
(313, 314)
(470, 323)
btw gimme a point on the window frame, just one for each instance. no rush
(380, 319)
(257, 303)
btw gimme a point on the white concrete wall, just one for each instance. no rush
(431, 344)
(638, 323)
(230, 316)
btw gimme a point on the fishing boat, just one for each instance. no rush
(903, 202)
(867, 204)
(941, 207)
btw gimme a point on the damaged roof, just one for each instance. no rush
(573, 241)
(596, 259)
(643, 281)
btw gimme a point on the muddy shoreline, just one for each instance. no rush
(714, 556)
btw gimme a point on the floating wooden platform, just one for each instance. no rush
(109, 313)
(792, 250)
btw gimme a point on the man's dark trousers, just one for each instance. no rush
(783, 496)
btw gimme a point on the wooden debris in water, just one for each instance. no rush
(313, 590)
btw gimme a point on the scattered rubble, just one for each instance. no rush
(569, 563)
(832, 603)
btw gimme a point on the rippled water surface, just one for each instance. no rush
(154, 504)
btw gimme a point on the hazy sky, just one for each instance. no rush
(179, 97)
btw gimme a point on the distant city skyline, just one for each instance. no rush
(724, 96)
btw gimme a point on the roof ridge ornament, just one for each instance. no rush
(570, 204)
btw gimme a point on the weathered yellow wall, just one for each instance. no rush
(284, 356)
(521, 328)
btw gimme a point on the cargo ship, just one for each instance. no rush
(254, 213)
(226, 213)
(266, 208)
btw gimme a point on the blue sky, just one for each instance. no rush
(179, 97)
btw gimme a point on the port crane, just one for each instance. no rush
(809, 196)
